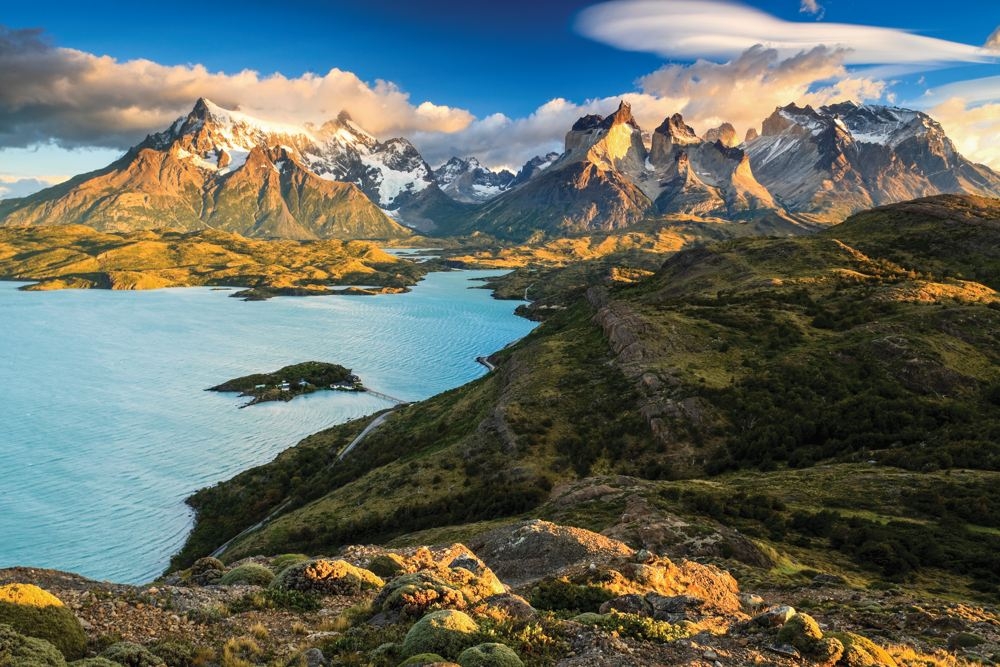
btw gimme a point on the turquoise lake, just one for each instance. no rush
(105, 427)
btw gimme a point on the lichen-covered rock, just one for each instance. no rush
(446, 632)
(131, 655)
(253, 574)
(862, 652)
(327, 577)
(18, 650)
(206, 571)
(801, 631)
(388, 565)
(510, 605)
(37, 613)
(418, 593)
(489, 655)
(628, 604)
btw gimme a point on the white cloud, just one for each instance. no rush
(80, 99)
(724, 29)
(812, 7)
(22, 187)
(974, 129)
(993, 41)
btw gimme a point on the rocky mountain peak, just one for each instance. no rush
(677, 131)
(751, 135)
(724, 134)
(623, 116)
(588, 122)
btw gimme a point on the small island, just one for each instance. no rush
(291, 381)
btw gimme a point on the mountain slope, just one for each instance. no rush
(220, 169)
(830, 162)
(765, 355)
(466, 180)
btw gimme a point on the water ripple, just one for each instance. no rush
(105, 429)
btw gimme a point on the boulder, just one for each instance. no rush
(206, 571)
(253, 574)
(489, 655)
(327, 577)
(446, 632)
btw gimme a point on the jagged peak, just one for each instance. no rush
(725, 134)
(623, 116)
(679, 131)
(588, 122)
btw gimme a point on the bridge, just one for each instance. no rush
(386, 397)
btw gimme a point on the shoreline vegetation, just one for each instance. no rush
(291, 381)
(79, 257)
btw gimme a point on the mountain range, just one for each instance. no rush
(219, 168)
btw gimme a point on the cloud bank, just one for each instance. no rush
(75, 98)
(722, 29)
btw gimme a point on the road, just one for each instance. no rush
(374, 424)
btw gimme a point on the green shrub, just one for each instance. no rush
(635, 626)
(96, 662)
(37, 613)
(326, 577)
(564, 595)
(489, 655)
(270, 598)
(175, 653)
(252, 574)
(131, 655)
(862, 652)
(16, 649)
(422, 659)
(279, 563)
(446, 632)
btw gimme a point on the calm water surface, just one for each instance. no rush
(105, 427)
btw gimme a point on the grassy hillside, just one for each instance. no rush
(81, 257)
(820, 398)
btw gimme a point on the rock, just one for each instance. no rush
(710, 654)
(785, 649)
(418, 593)
(315, 658)
(644, 556)
(666, 608)
(388, 565)
(961, 640)
(628, 604)
(446, 632)
(821, 580)
(34, 612)
(489, 655)
(327, 577)
(751, 601)
(207, 571)
(774, 617)
(530, 551)
(514, 606)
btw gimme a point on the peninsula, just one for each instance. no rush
(291, 381)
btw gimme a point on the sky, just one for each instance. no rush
(81, 82)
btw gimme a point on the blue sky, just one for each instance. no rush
(471, 60)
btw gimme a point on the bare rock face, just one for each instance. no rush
(725, 134)
(532, 550)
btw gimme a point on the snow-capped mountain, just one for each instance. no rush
(389, 172)
(824, 164)
(533, 167)
(225, 169)
(465, 180)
